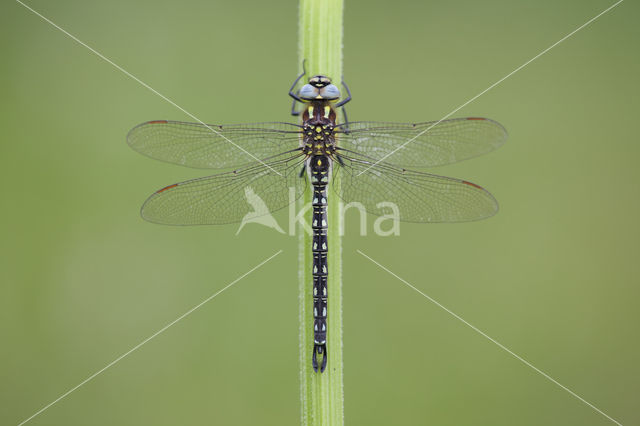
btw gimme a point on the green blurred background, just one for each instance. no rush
(554, 276)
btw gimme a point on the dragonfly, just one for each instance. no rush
(373, 160)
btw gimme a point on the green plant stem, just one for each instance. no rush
(322, 393)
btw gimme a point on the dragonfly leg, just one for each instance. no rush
(347, 99)
(293, 109)
(293, 94)
(346, 120)
(344, 111)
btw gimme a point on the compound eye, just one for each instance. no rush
(331, 92)
(308, 92)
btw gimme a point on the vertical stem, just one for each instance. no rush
(320, 45)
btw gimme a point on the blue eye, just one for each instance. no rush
(331, 92)
(308, 92)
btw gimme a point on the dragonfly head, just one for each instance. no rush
(319, 88)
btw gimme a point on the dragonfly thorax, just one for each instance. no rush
(318, 129)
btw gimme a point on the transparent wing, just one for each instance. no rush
(250, 192)
(427, 144)
(413, 196)
(212, 146)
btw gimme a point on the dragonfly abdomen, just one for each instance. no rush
(319, 166)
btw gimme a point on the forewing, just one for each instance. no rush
(414, 196)
(212, 146)
(251, 192)
(423, 144)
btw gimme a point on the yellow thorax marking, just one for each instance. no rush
(327, 110)
(310, 110)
